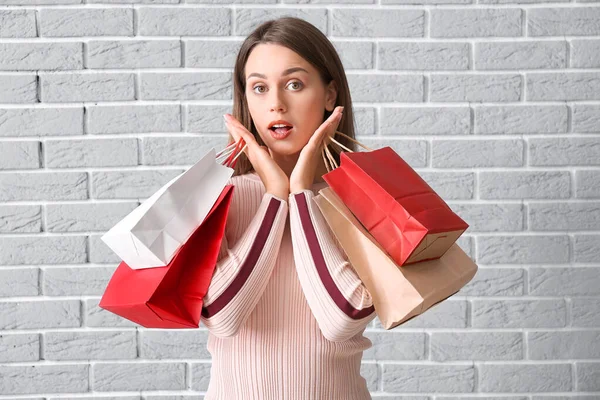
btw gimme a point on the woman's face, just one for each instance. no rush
(274, 93)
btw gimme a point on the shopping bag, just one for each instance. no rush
(151, 234)
(399, 293)
(402, 212)
(171, 296)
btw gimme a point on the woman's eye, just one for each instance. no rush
(261, 86)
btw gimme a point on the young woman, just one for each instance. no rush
(285, 309)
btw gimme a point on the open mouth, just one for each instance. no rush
(281, 131)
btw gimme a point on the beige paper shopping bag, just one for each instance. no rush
(399, 293)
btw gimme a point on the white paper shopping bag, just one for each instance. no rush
(152, 233)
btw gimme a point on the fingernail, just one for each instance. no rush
(226, 117)
(341, 109)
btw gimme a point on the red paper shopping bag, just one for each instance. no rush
(171, 296)
(402, 212)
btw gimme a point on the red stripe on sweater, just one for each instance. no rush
(249, 264)
(319, 260)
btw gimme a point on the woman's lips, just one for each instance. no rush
(281, 134)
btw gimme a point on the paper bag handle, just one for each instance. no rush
(231, 153)
(332, 164)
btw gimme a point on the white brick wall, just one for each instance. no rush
(495, 102)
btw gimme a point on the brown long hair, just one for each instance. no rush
(310, 43)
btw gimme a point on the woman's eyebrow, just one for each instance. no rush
(284, 73)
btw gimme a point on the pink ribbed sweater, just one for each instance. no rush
(285, 310)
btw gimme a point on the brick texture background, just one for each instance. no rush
(496, 103)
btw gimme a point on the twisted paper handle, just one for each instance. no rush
(332, 164)
(228, 156)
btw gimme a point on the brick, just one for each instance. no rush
(584, 313)
(564, 151)
(414, 152)
(19, 282)
(31, 379)
(562, 86)
(185, 86)
(357, 55)
(19, 347)
(56, 121)
(99, 317)
(134, 54)
(378, 23)
(521, 55)
(42, 314)
(466, 243)
(586, 118)
(450, 185)
(525, 378)
(372, 374)
(425, 121)
(247, 19)
(475, 88)
(42, 250)
(41, 56)
(477, 153)
(20, 155)
(179, 150)
(18, 88)
(396, 346)
(585, 53)
(564, 281)
(87, 216)
(424, 2)
(76, 281)
(476, 23)
(588, 377)
(525, 185)
(161, 344)
(519, 314)
(91, 153)
(78, 87)
(423, 56)
(184, 21)
(201, 53)
(138, 376)
(17, 23)
(100, 252)
(476, 346)
(586, 248)
(563, 345)
(448, 314)
(428, 378)
(130, 184)
(65, 22)
(491, 217)
(576, 21)
(551, 249)
(103, 119)
(206, 119)
(384, 88)
(104, 345)
(564, 216)
(521, 119)
(587, 184)
(201, 376)
(507, 282)
(48, 186)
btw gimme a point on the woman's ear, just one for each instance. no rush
(330, 96)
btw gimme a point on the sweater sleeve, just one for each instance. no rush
(243, 268)
(338, 299)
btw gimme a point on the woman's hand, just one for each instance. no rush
(272, 176)
(303, 175)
